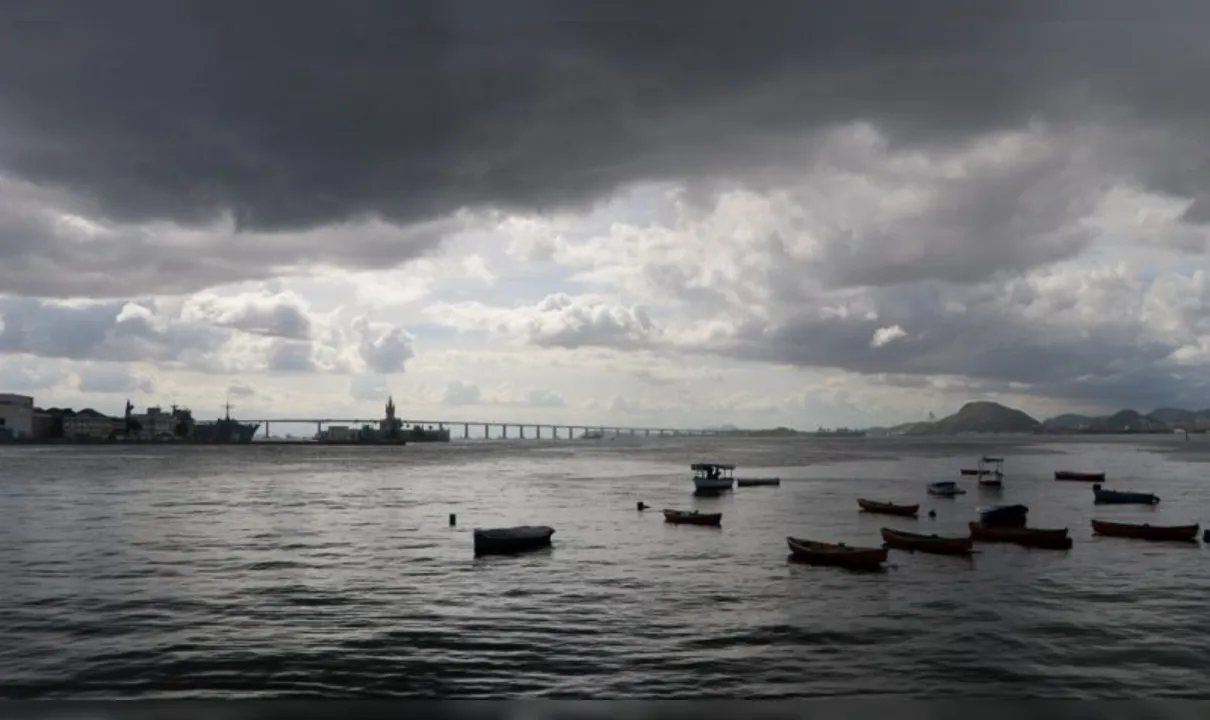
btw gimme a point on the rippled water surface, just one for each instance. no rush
(270, 571)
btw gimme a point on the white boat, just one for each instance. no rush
(712, 476)
(945, 488)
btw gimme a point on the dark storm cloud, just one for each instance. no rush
(297, 114)
(992, 343)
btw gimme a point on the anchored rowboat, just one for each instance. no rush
(1004, 515)
(507, 541)
(1122, 497)
(821, 553)
(756, 482)
(1084, 476)
(945, 488)
(1029, 537)
(886, 508)
(926, 543)
(682, 517)
(1145, 531)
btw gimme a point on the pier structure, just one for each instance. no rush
(493, 430)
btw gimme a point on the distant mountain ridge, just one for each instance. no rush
(984, 416)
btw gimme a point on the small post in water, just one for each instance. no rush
(453, 519)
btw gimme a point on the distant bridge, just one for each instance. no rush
(552, 430)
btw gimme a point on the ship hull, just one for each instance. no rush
(224, 433)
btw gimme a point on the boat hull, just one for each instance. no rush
(757, 482)
(837, 555)
(1184, 533)
(946, 491)
(935, 544)
(1123, 497)
(1079, 476)
(511, 541)
(680, 517)
(1004, 516)
(713, 483)
(991, 482)
(969, 471)
(1057, 539)
(885, 508)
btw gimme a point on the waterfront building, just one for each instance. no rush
(16, 416)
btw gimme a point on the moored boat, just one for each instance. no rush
(756, 482)
(945, 488)
(970, 471)
(1004, 516)
(839, 554)
(712, 476)
(936, 544)
(1082, 476)
(1145, 531)
(508, 541)
(1122, 497)
(1056, 539)
(694, 517)
(991, 481)
(887, 508)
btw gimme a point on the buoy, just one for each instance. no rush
(932, 513)
(453, 519)
(641, 506)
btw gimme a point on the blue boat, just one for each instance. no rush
(945, 488)
(1122, 497)
(1004, 515)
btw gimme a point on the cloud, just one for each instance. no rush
(885, 335)
(114, 378)
(558, 321)
(462, 393)
(938, 197)
(241, 332)
(335, 137)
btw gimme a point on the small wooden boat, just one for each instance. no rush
(1122, 497)
(1003, 516)
(1057, 539)
(684, 517)
(945, 488)
(756, 482)
(508, 541)
(712, 476)
(1145, 531)
(926, 543)
(1082, 476)
(886, 508)
(820, 553)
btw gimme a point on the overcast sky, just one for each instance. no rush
(675, 213)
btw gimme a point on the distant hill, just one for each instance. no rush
(981, 416)
(1163, 420)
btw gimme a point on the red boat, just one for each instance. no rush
(683, 517)
(926, 543)
(1145, 531)
(1028, 537)
(1083, 476)
(820, 553)
(886, 508)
